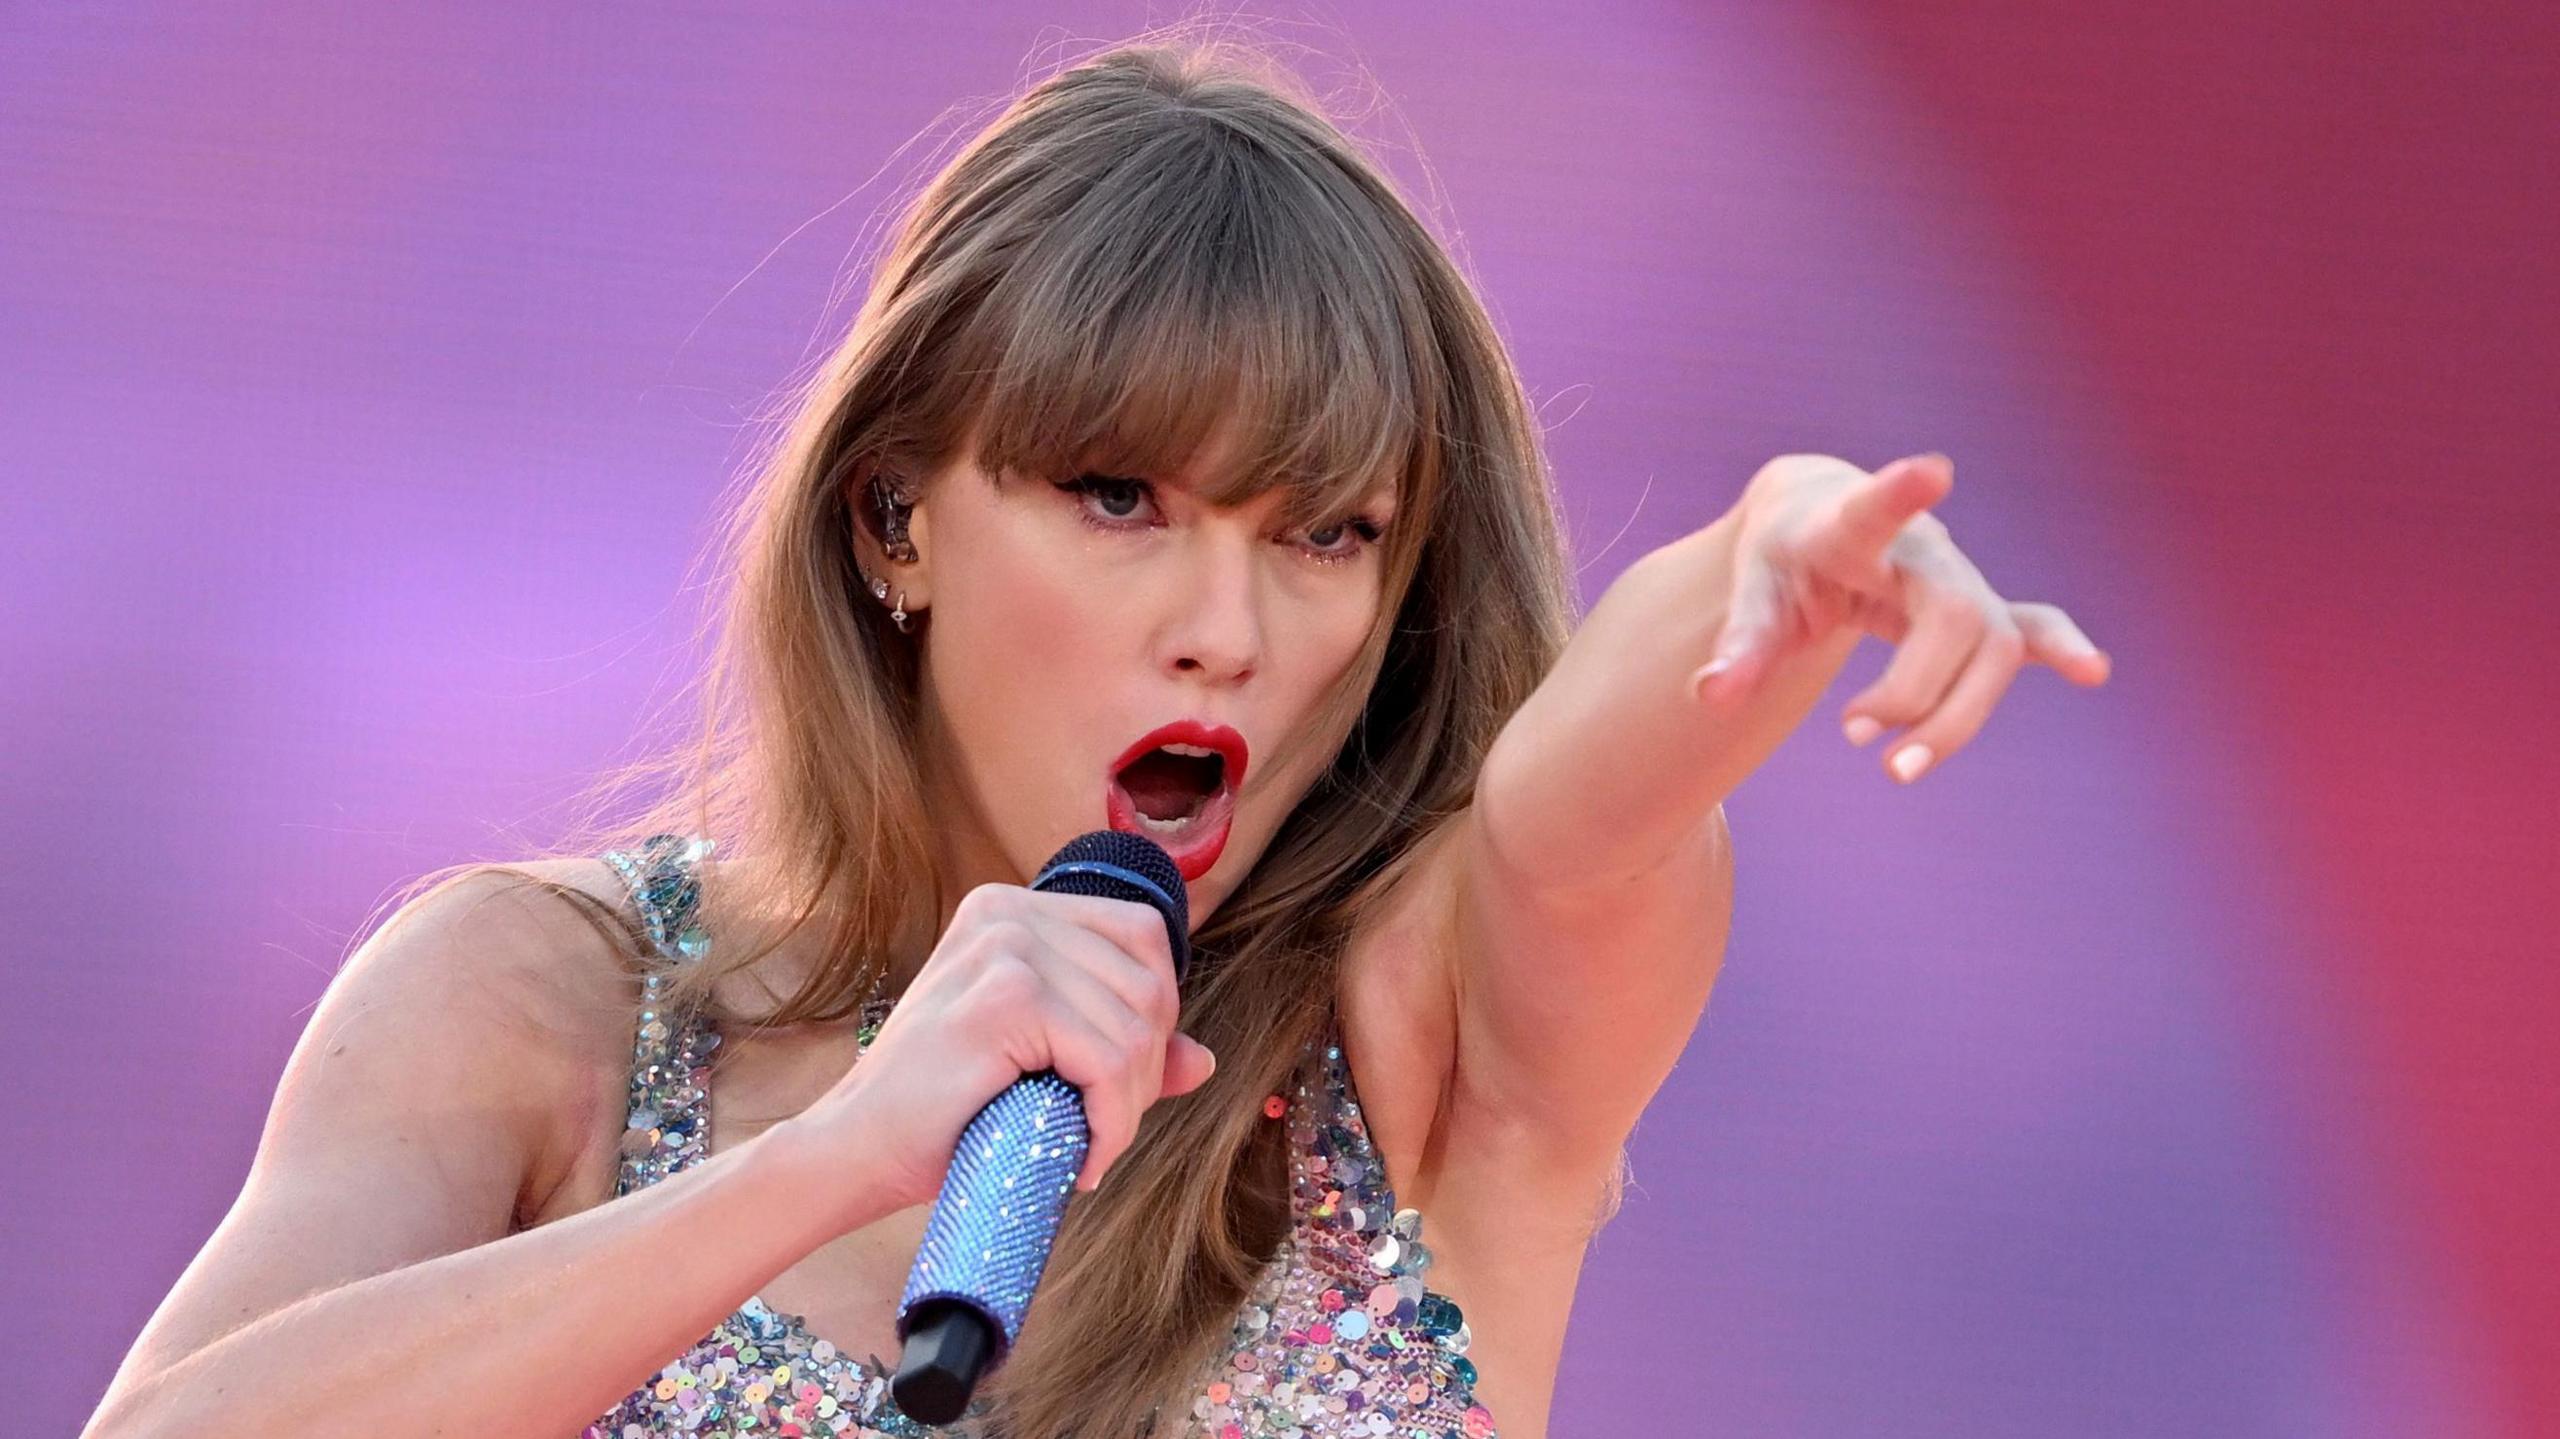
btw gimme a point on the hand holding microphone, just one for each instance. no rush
(1045, 1015)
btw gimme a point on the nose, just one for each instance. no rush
(1214, 629)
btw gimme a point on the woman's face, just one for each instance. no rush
(1066, 627)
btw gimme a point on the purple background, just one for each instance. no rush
(2178, 1060)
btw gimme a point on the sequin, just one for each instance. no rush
(1339, 1337)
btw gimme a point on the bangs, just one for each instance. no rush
(1206, 280)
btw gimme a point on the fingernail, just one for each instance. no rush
(1910, 760)
(1862, 728)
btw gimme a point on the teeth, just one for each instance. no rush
(1165, 826)
(1192, 750)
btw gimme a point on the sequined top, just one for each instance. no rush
(1339, 1339)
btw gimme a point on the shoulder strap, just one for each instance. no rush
(665, 891)
(1359, 1219)
(1352, 1190)
(665, 1129)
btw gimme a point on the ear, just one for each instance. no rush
(864, 488)
(915, 576)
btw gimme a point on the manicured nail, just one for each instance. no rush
(1699, 677)
(1862, 728)
(1910, 760)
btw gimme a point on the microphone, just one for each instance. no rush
(1016, 1164)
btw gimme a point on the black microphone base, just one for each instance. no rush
(948, 1346)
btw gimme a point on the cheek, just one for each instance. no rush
(1323, 646)
(1014, 620)
(1345, 636)
(1016, 643)
(1334, 642)
(1018, 618)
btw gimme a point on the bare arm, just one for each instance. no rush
(1596, 880)
(1596, 876)
(365, 1282)
(1613, 765)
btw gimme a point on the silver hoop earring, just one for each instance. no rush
(898, 616)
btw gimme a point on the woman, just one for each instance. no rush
(1171, 479)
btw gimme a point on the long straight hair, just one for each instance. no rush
(1166, 235)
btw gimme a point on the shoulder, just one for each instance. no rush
(543, 942)
(422, 1109)
(533, 964)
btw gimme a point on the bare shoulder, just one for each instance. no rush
(430, 1102)
(508, 989)
(543, 942)
(549, 946)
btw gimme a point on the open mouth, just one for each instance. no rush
(1177, 786)
(1171, 784)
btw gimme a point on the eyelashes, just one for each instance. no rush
(1108, 492)
(1099, 486)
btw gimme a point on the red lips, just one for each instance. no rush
(1195, 846)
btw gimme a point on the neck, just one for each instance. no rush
(965, 856)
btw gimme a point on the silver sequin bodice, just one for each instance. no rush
(1340, 1339)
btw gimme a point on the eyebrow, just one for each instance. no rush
(1384, 495)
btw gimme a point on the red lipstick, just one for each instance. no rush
(1195, 841)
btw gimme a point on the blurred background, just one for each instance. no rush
(2180, 1059)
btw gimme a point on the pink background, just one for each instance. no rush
(2180, 1059)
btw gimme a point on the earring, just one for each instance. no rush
(880, 591)
(893, 527)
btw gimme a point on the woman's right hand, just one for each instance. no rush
(1023, 980)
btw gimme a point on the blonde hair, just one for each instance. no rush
(1164, 235)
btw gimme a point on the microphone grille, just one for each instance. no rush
(1115, 865)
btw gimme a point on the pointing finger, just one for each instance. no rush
(1872, 514)
(2054, 640)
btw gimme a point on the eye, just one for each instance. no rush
(1107, 502)
(1342, 539)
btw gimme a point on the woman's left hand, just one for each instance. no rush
(1821, 545)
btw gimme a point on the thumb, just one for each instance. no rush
(1187, 1064)
(1744, 644)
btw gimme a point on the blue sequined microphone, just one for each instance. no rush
(1015, 1165)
